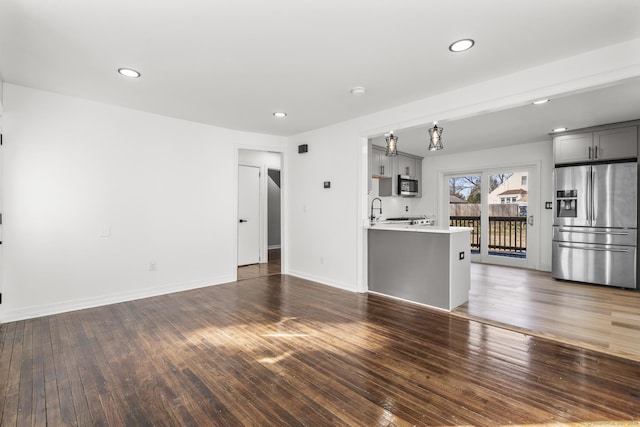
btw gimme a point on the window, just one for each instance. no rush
(523, 180)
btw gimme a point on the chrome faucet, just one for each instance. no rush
(379, 209)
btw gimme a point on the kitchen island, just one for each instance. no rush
(424, 264)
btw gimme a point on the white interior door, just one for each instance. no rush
(248, 215)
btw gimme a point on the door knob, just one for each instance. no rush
(243, 220)
(530, 221)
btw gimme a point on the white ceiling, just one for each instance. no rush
(233, 63)
(527, 123)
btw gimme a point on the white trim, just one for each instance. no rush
(323, 280)
(362, 250)
(411, 302)
(102, 300)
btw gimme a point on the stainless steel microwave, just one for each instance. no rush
(407, 186)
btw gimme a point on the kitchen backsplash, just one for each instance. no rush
(395, 206)
(392, 206)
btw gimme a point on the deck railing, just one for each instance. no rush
(507, 235)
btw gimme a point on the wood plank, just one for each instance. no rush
(25, 395)
(52, 398)
(10, 371)
(65, 399)
(38, 408)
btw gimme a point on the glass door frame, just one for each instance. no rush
(474, 257)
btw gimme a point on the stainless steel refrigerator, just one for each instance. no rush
(595, 224)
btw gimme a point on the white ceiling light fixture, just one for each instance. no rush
(461, 45)
(435, 138)
(559, 130)
(392, 144)
(540, 101)
(358, 91)
(129, 72)
(279, 114)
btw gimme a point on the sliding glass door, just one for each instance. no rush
(495, 204)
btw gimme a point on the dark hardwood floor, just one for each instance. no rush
(283, 351)
(272, 266)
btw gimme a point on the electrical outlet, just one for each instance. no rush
(406, 208)
(153, 266)
(321, 260)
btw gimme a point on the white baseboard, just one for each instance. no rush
(545, 267)
(98, 301)
(323, 280)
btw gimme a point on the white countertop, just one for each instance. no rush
(419, 228)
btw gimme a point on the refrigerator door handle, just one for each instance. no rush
(613, 233)
(594, 249)
(589, 194)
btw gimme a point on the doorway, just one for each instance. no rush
(259, 214)
(499, 206)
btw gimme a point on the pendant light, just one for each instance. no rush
(392, 145)
(435, 135)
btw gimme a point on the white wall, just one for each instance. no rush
(94, 193)
(1, 93)
(330, 228)
(322, 224)
(264, 159)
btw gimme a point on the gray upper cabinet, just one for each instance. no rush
(599, 145)
(572, 148)
(406, 165)
(381, 164)
(387, 168)
(613, 144)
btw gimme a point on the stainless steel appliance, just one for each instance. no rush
(595, 224)
(407, 186)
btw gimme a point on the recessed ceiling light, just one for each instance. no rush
(559, 130)
(128, 72)
(541, 101)
(461, 45)
(358, 91)
(279, 115)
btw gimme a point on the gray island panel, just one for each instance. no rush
(422, 267)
